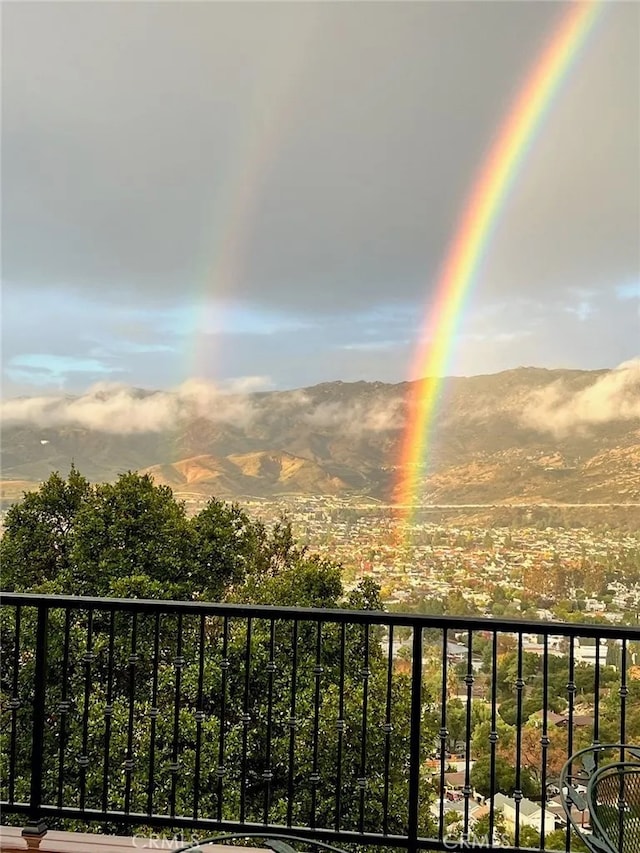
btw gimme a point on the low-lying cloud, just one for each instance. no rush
(122, 410)
(615, 396)
(359, 417)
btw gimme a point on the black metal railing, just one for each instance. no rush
(331, 724)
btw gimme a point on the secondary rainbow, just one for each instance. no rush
(270, 113)
(471, 240)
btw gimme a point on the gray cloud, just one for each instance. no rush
(131, 134)
(113, 408)
(308, 161)
(119, 409)
(358, 418)
(614, 396)
(574, 212)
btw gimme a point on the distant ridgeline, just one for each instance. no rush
(526, 436)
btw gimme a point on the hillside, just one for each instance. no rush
(528, 435)
(258, 473)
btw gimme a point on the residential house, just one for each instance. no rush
(530, 813)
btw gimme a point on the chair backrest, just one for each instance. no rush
(615, 805)
(612, 796)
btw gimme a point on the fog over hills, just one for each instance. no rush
(521, 435)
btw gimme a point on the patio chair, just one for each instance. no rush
(612, 798)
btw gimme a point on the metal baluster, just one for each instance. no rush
(224, 666)
(544, 740)
(415, 739)
(468, 680)
(14, 704)
(596, 698)
(317, 672)
(624, 692)
(199, 717)
(292, 722)
(622, 805)
(153, 714)
(175, 765)
(387, 729)
(493, 736)
(443, 733)
(37, 825)
(571, 691)
(246, 719)
(340, 726)
(517, 794)
(366, 674)
(83, 758)
(129, 761)
(65, 705)
(108, 715)
(268, 774)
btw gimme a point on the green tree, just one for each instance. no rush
(38, 536)
(225, 543)
(132, 538)
(248, 708)
(557, 840)
(504, 779)
(529, 837)
(481, 742)
(456, 723)
(455, 604)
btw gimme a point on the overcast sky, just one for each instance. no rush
(226, 190)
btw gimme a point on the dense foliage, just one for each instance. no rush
(190, 714)
(133, 539)
(249, 720)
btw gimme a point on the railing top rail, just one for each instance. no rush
(313, 614)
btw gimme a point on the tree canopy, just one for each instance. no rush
(132, 538)
(223, 700)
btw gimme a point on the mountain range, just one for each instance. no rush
(528, 435)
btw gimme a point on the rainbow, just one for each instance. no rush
(472, 238)
(234, 201)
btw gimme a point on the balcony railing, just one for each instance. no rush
(332, 724)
